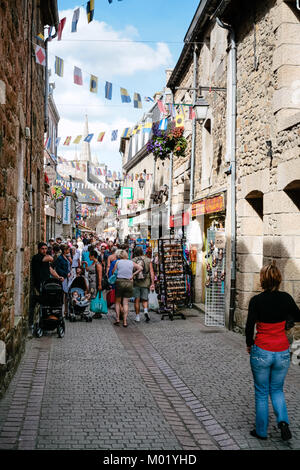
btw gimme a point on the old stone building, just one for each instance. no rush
(242, 169)
(146, 213)
(22, 127)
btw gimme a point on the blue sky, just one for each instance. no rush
(129, 43)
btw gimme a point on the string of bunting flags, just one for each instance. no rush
(90, 10)
(177, 112)
(101, 172)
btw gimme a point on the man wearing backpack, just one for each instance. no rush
(142, 282)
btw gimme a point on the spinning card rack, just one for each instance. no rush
(172, 283)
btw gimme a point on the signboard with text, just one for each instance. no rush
(66, 211)
(208, 206)
(126, 193)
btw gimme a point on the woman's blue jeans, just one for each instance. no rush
(269, 370)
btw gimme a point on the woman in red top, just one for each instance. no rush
(269, 350)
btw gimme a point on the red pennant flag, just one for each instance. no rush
(60, 28)
(161, 107)
(192, 113)
(77, 76)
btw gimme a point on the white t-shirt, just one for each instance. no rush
(76, 259)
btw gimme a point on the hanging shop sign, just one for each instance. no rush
(180, 220)
(208, 206)
(51, 173)
(126, 193)
(67, 211)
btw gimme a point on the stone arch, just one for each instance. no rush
(293, 191)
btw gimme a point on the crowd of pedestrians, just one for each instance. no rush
(101, 267)
(104, 267)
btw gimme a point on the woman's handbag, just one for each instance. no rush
(111, 297)
(112, 279)
(98, 305)
(105, 283)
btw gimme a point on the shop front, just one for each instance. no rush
(207, 244)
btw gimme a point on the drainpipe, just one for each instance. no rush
(194, 127)
(170, 191)
(233, 170)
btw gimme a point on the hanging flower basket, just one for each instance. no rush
(163, 143)
(58, 193)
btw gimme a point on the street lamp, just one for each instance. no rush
(141, 182)
(201, 109)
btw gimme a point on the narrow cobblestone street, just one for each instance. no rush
(164, 385)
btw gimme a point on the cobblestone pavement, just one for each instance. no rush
(173, 385)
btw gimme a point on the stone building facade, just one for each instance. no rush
(146, 215)
(266, 187)
(22, 89)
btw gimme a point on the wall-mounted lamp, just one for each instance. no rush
(201, 109)
(141, 182)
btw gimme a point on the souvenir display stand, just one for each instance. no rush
(172, 292)
(215, 279)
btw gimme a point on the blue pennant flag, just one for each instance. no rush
(75, 20)
(108, 90)
(137, 102)
(124, 96)
(88, 138)
(114, 135)
(163, 124)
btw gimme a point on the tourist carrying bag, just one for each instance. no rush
(112, 279)
(153, 301)
(98, 305)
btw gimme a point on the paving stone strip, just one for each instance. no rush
(20, 428)
(193, 425)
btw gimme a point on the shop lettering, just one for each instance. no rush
(208, 206)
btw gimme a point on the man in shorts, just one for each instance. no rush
(142, 283)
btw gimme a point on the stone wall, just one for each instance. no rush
(268, 220)
(21, 165)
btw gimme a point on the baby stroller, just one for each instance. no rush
(51, 309)
(80, 305)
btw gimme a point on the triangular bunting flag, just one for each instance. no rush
(77, 139)
(77, 76)
(108, 90)
(101, 137)
(90, 10)
(179, 120)
(60, 28)
(124, 96)
(40, 55)
(93, 84)
(75, 20)
(137, 102)
(59, 66)
(88, 138)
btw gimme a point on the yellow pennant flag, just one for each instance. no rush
(179, 120)
(77, 139)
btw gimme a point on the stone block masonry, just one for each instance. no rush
(21, 168)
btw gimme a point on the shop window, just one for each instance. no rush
(255, 199)
(293, 191)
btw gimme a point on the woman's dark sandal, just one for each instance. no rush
(254, 434)
(117, 323)
(125, 326)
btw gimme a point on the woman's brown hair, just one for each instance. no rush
(270, 277)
